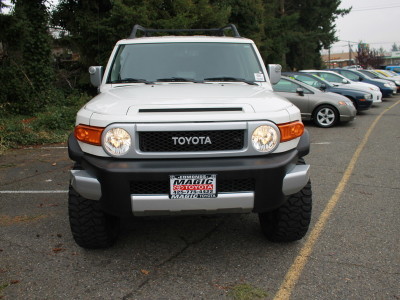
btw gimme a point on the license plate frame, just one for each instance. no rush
(193, 186)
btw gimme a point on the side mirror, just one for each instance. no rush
(323, 87)
(96, 75)
(274, 72)
(300, 91)
(360, 79)
(345, 81)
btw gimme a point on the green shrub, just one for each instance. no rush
(52, 125)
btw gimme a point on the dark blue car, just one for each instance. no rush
(354, 75)
(361, 100)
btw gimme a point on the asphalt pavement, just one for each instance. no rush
(350, 252)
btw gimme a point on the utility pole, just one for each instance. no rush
(349, 54)
(329, 57)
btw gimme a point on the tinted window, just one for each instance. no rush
(331, 77)
(286, 86)
(350, 75)
(310, 80)
(189, 60)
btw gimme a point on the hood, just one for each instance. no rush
(359, 86)
(139, 99)
(383, 81)
(365, 85)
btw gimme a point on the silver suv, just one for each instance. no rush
(187, 124)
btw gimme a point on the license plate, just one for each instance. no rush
(193, 186)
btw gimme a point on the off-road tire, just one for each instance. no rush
(91, 227)
(289, 222)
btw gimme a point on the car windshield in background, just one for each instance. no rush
(185, 62)
(311, 80)
(370, 74)
(331, 77)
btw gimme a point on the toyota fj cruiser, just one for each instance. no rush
(183, 125)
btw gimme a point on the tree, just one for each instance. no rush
(395, 47)
(26, 72)
(248, 15)
(315, 30)
(367, 57)
(94, 26)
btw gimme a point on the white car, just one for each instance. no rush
(183, 125)
(340, 80)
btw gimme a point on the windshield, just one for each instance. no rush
(330, 77)
(369, 74)
(185, 62)
(311, 80)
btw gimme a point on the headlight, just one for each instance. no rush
(397, 82)
(265, 138)
(117, 141)
(387, 84)
(368, 96)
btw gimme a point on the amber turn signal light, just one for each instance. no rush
(88, 134)
(290, 131)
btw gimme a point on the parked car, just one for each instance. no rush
(353, 67)
(390, 73)
(375, 75)
(361, 100)
(384, 85)
(393, 68)
(339, 80)
(325, 109)
(187, 125)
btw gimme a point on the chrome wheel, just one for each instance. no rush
(325, 116)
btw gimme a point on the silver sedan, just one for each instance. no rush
(323, 108)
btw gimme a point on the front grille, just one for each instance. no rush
(162, 187)
(191, 141)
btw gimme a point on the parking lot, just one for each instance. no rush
(350, 252)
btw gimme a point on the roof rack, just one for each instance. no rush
(219, 31)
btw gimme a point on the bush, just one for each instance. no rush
(52, 125)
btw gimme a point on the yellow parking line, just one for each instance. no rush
(292, 276)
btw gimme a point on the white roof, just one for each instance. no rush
(185, 39)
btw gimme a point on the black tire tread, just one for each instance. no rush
(90, 226)
(290, 221)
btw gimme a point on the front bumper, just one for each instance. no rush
(141, 186)
(376, 96)
(386, 92)
(347, 113)
(363, 104)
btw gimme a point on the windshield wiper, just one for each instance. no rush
(234, 79)
(178, 79)
(132, 80)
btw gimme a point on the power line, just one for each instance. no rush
(364, 9)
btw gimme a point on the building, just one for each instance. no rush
(340, 60)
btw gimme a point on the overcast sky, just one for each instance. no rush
(376, 23)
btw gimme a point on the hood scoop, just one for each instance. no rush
(186, 110)
(190, 109)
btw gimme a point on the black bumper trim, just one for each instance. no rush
(116, 176)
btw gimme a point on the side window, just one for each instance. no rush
(330, 77)
(350, 75)
(285, 86)
(308, 80)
